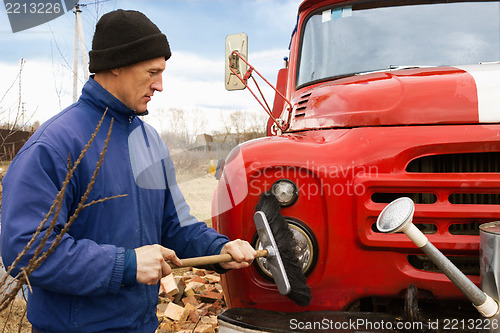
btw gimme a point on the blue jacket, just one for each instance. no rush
(81, 286)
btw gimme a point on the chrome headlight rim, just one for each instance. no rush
(295, 191)
(303, 229)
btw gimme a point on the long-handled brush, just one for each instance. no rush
(280, 248)
(288, 248)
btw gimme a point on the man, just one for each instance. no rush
(104, 274)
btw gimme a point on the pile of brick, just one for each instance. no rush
(190, 302)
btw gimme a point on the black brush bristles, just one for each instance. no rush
(287, 246)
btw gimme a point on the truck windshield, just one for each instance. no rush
(347, 40)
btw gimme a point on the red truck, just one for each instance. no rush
(378, 100)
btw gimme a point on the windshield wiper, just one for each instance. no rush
(397, 67)
(402, 67)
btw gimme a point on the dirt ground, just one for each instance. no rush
(197, 189)
(11, 317)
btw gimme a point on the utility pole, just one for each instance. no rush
(79, 40)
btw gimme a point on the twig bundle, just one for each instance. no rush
(9, 289)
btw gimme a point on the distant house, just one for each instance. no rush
(11, 141)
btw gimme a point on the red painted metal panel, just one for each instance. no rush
(412, 96)
(336, 172)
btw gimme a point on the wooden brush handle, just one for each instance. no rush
(208, 260)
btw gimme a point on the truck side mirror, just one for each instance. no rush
(238, 43)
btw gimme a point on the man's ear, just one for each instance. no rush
(116, 71)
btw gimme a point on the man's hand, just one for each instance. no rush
(152, 263)
(241, 251)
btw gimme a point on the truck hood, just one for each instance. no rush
(437, 95)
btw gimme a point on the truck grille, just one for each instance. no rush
(418, 198)
(467, 265)
(487, 162)
(464, 229)
(451, 201)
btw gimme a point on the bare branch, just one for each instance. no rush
(39, 257)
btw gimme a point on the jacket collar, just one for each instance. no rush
(94, 94)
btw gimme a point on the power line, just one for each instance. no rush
(94, 3)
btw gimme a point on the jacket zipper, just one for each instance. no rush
(141, 236)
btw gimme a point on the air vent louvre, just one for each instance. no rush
(301, 106)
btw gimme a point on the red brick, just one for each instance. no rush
(191, 300)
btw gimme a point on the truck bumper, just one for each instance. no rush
(261, 321)
(258, 321)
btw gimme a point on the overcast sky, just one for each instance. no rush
(194, 76)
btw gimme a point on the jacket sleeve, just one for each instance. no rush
(80, 267)
(181, 231)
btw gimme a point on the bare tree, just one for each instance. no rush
(197, 124)
(183, 125)
(226, 124)
(256, 126)
(5, 113)
(242, 126)
(14, 131)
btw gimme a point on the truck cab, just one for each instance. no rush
(382, 99)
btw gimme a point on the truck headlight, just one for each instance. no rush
(285, 191)
(306, 248)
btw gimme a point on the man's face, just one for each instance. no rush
(137, 83)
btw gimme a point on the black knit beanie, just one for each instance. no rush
(125, 37)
